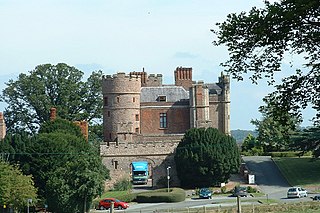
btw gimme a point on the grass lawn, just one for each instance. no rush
(115, 194)
(300, 171)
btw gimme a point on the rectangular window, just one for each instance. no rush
(108, 113)
(106, 101)
(133, 99)
(163, 120)
(137, 117)
(115, 164)
(118, 99)
(137, 130)
(162, 98)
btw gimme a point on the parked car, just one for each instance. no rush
(296, 192)
(316, 197)
(205, 193)
(241, 191)
(106, 204)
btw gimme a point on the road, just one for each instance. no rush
(219, 201)
(269, 178)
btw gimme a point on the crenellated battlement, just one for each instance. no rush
(121, 83)
(120, 75)
(157, 148)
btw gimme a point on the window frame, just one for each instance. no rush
(163, 120)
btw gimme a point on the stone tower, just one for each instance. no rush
(3, 128)
(121, 111)
(224, 108)
(199, 106)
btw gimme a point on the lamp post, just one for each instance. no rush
(168, 176)
(29, 200)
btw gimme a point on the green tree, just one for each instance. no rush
(251, 146)
(307, 140)
(206, 157)
(68, 171)
(15, 188)
(259, 40)
(31, 96)
(272, 135)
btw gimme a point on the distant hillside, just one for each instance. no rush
(240, 135)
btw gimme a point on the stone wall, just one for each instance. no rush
(118, 158)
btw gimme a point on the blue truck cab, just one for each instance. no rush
(140, 172)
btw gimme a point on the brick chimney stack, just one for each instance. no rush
(53, 114)
(183, 77)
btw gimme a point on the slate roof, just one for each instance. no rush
(214, 88)
(172, 93)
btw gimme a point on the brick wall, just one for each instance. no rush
(178, 120)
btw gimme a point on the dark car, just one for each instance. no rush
(241, 191)
(205, 193)
(106, 204)
(316, 197)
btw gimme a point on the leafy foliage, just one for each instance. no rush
(258, 41)
(240, 134)
(307, 140)
(68, 171)
(31, 96)
(251, 146)
(15, 188)
(273, 135)
(206, 157)
(123, 185)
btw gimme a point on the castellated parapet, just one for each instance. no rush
(121, 83)
(149, 81)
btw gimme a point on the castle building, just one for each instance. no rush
(138, 106)
(144, 119)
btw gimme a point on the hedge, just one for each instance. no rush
(288, 154)
(161, 195)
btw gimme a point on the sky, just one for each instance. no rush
(125, 35)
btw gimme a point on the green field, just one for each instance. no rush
(300, 171)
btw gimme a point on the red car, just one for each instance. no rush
(106, 204)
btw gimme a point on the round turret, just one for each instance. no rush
(121, 111)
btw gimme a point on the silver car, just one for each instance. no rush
(296, 192)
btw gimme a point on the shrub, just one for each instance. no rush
(223, 189)
(127, 197)
(161, 195)
(251, 189)
(288, 154)
(122, 185)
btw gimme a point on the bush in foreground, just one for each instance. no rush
(161, 195)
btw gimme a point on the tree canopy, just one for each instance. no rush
(259, 40)
(31, 96)
(274, 135)
(307, 140)
(15, 188)
(206, 157)
(67, 170)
